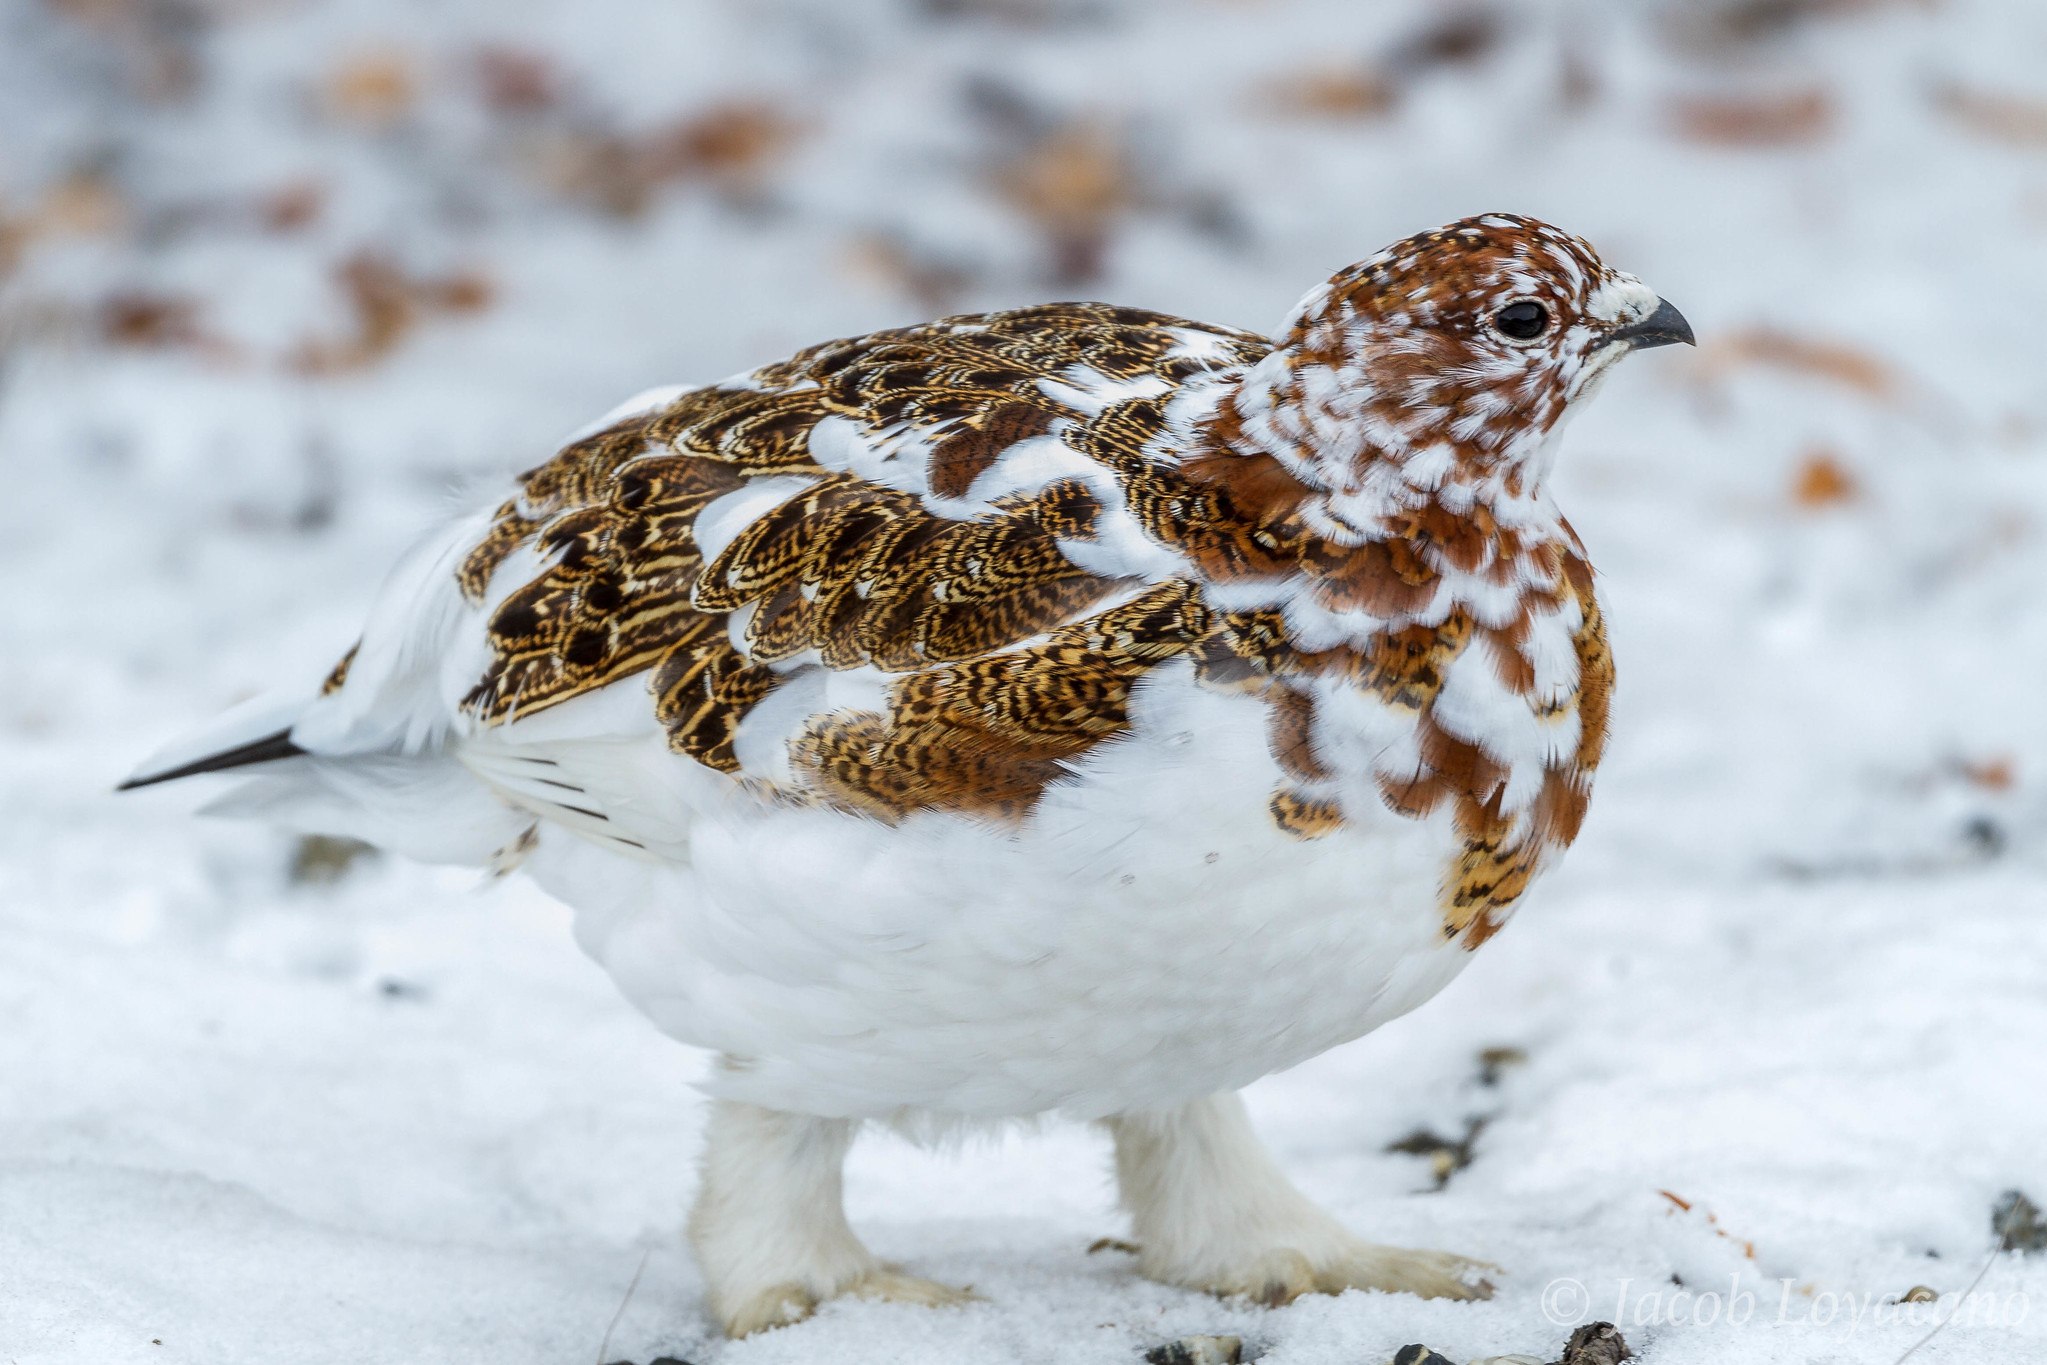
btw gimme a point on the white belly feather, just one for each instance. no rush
(1148, 937)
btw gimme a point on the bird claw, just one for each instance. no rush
(1277, 1277)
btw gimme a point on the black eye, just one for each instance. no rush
(1523, 321)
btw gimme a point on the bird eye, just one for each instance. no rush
(1523, 321)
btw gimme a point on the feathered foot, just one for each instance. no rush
(769, 1227)
(1211, 1211)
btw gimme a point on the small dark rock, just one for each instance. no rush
(1985, 837)
(1495, 1062)
(322, 860)
(1418, 1354)
(1117, 1244)
(2016, 1221)
(1197, 1351)
(1596, 1343)
(1447, 1156)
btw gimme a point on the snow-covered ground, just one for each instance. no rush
(276, 276)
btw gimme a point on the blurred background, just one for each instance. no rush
(281, 279)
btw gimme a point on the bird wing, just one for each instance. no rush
(911, 570)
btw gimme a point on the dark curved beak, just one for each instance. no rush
(1664, 327)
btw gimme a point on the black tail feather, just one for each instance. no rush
(268, 749)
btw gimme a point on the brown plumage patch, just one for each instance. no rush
(1405, 668)
(856, 571)
(337, 678)
(976, 444)
(1490, 874)
(1595, 667)
(703, 688)
(986, 735)
(614, 600)
(1244, 650)
(1303, 816)
(1385, 578)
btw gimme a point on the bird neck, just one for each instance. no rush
(1375, 438)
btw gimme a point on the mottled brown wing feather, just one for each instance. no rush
(860, 573)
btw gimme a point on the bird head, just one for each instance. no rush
(1455, 354)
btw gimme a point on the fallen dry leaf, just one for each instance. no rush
(1073, 184)
(732, 148)
(888, 260)
(375, 89)
(387, 303)
(2014, 119)
(1462, 36)
(1996, 774)
(159, 322)
(292, 206)
(517, 81)
(1332, 92)
(82, 205)
(1712, 25)
(1748, 1248)
(1784, 120)
(1822, 481)
(149, 320)
(14, 239)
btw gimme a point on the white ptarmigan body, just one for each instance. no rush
(1073, 710)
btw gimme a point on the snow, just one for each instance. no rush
(1790, 974)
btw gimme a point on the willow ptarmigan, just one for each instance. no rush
(1073, 709)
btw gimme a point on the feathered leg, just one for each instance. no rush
(769, 1226)
(1212, 1211)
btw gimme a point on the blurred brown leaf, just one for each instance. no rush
(1460, 36)
(375, 89)
(1779, 120)
(155, 43)
(1822, 481)
(517, 81)
(1021, 13)
(1748, 1248)
(159, 322)
(149, 319)
(14, 239)
(1769, 348)
(1578, 80)
(733, 148)
(1073, 184)
(885, 258)
(292, 206)
(734, 144)
(1997, 773)
(2014, 119)
(387, 304)
(85, 204)
(598, 169)
(1333, 92)
(1710, 25)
